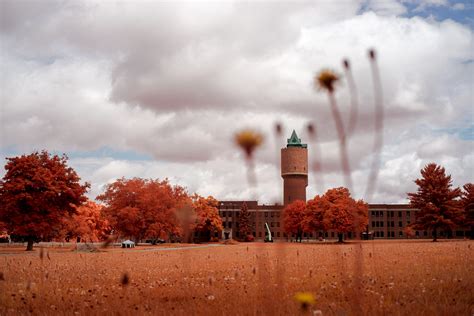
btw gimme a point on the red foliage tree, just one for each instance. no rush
(3, 228)
(208, 222)
(467, 199)
(437, 201)
(314, 215)
(293, 217)
(4, 237)
(88, 223)
(342, 213)
(36, 193)
(139, 208)
(245, 226)
(409, 231)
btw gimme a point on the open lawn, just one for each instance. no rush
(370, 277)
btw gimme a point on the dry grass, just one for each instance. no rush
(399, 278)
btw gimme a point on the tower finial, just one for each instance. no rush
(294, 141)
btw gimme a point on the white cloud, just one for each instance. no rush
(175, 81)
(386, 7)
(458, 6)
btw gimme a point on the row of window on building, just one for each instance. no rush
(381, 234)
(236, 224)
(305, 235)
(392, 234)
(390, 213)
(389, 224)
(260, 214)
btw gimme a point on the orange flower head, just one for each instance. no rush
(326, 80)
(248, 140)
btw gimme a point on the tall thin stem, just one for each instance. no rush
(354, 110)
(378, 127)
(252, 177)
(342, 140)
(278, 133)
(316, 164)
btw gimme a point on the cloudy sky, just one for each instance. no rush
(158, 89)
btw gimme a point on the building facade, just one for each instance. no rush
(386, 221)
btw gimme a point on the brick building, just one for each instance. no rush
(294, 170)
(386, 221)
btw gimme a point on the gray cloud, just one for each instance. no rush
(175, 81)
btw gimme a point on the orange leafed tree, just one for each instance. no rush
(314, 215)
(409, 231)
(4, 232)
(467, 200)
(342, 213)
(3, 228)
(208, 222)
(36, 193)
(139, 208)
(437, 201)
(88, 223)
(293, 217)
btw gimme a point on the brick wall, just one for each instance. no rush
(294, 160)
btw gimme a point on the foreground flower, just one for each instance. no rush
(326, 80)
(248, 140)
(305, 299)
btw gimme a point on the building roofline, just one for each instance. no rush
(277, 206)
(390, 206)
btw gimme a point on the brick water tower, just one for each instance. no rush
(294, 169)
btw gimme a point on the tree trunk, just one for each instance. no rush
(435, 235)
(29, 246)
(340, 236)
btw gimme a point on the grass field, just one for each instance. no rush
(372, 278)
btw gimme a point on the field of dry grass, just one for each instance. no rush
(372, 278)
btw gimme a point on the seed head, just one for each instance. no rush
(372, 54)
(326, 80)
(211, 280)
(346, 63)
(278, 129)
(125, 279)
(248, 140)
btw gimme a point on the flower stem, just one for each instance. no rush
(378, 128)
(342, 141)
